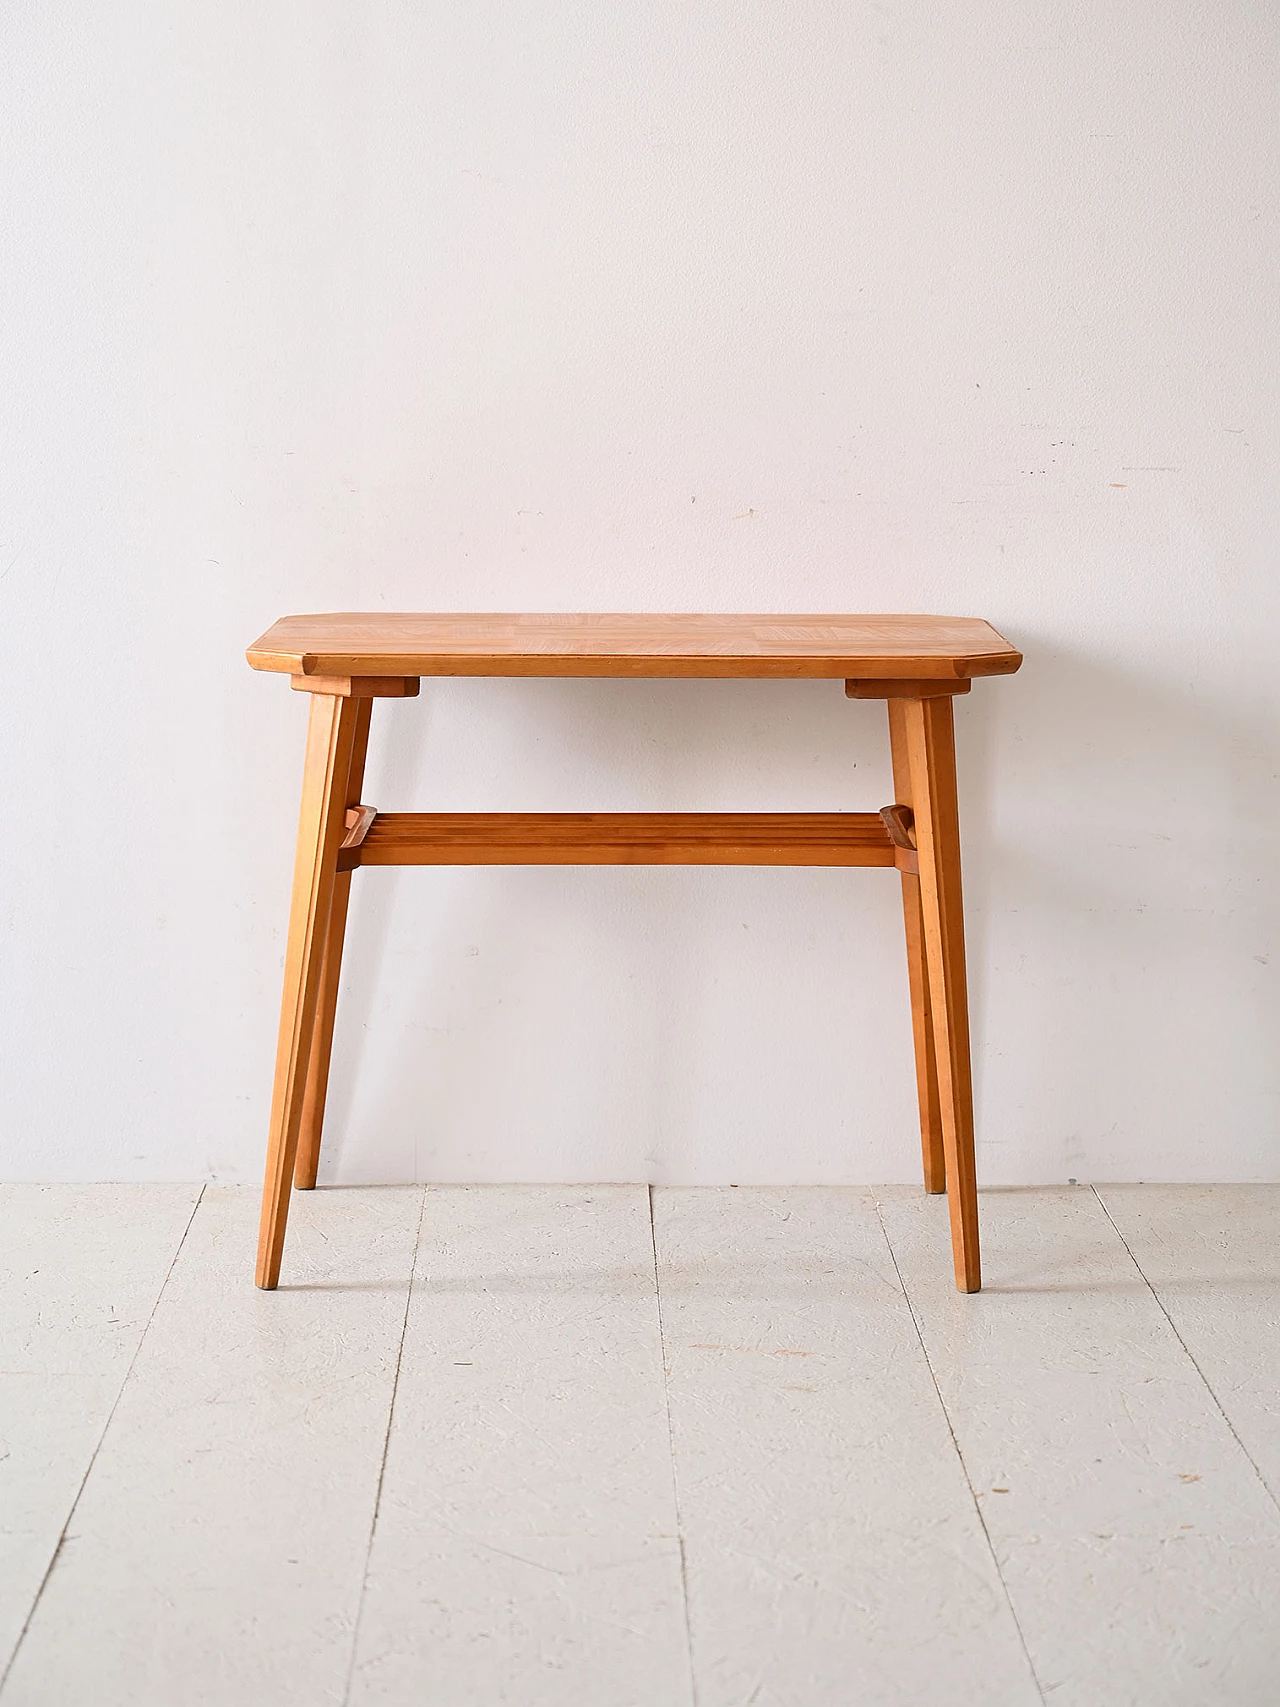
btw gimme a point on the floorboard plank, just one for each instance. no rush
(833, 1549)
(81, 1267)
(1212, 1256)
(1141, 1551)
(526, 1547)
(216, 1554)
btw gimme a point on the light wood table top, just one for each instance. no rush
(402, 643)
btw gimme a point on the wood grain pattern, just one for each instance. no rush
(307, 1162)
(330, 738)
(935, 1164)
(407, 644)
(625, 838)
(930, 747)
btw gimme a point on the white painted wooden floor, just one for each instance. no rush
(537, 1445)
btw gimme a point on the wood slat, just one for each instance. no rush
(408, 643)
(624, 838)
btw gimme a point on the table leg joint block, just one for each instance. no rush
(914, 689)
(358, 819)
(358, 687)
(900, 823)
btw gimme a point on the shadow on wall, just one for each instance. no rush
(1120, 849)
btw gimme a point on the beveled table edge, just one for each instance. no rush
(707, 666)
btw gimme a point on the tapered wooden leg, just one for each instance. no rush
(330, 737)
(307, 1163)
(930, 743)
(935, 1164)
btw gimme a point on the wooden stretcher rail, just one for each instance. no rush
(626, 838)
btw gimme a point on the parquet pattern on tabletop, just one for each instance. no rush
(411, 643)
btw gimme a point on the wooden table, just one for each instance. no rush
(917, 664)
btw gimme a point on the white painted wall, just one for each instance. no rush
(837, 305)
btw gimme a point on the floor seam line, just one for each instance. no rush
(955, 1442)
(1191, 1357)
(671, 1453)
(386, 1442)
(93, 1456)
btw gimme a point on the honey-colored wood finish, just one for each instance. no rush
(917, 664)
(307, 1162)
(330, 739)
(358, 819)
(904, 689)
(931, 760)
(935, 1165)
(359, 687)
(625, 838)
(900, 823)
(861, 648)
